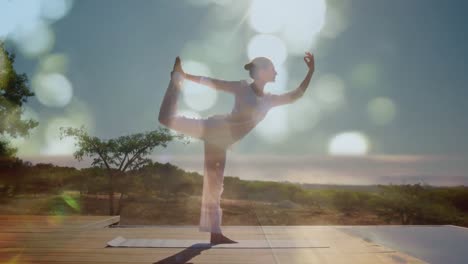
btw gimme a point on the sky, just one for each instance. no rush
(388, 85)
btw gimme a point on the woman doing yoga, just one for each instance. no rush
(219, 132)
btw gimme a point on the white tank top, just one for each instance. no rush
(248, 105)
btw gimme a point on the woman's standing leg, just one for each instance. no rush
(213, 186)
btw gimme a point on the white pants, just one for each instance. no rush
(216, 134)
(213, 186)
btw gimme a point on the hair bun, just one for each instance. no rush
(248, 66)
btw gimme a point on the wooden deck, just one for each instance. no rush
(82, 239)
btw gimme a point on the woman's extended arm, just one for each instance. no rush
(227, 86)
(293, 95)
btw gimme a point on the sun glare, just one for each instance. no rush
(348, 143)
(274, 128)
(297, 21)
(53, 89)
(198, 97)
(270, 46)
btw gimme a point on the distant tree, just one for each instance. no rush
(167, 180)
(413, 204)
(346, 201)
(12, 175)
(118, 155)
(14, 91)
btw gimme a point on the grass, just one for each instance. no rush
(186, 211)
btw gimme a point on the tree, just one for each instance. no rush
(12, 175)
(125, 153)
(14, 91)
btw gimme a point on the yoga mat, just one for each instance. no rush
(185, 243)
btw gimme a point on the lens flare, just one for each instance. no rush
(303, 114)
(274, 128)
(336, 21)
(7, 19)
(53, 63)
(217, 42)
(381, 110)
(209, 2)
(55, 9)
(79, 113)
(53, 89)
(365, 75)
(329, 92)
(15, 15)
(267, 46)
(348, 143)
(197, 96)
(54, 145)
(34, 40)
(298, 22)
(71, 202)
(266, 16)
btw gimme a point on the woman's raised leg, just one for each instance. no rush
(193, 127)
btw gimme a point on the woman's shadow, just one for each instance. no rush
(186, 254)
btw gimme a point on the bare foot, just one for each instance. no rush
(177, 74)
(178, 66)
(220, 239)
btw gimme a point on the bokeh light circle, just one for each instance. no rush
(55, 145)
(34, 39)
(381, 110)
(266, 15)
(52, 89)
(348, 143)
(55, 9)
(365, 75)
(304, 114)
(329, 92)
(198, 96)
(269, 46)
(273, 128)
(54, 63)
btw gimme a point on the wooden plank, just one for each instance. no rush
(82, 239)
(20, 221)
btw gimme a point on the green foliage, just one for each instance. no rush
(165, 183)
(346, 201)
(12, 174)
(413, 204)
(14, 91)
(167, 180)
(122, 153)
(92, 181)
(457, 196)
(119, 156)
(6, 150)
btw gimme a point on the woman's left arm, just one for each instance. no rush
(293, 95)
